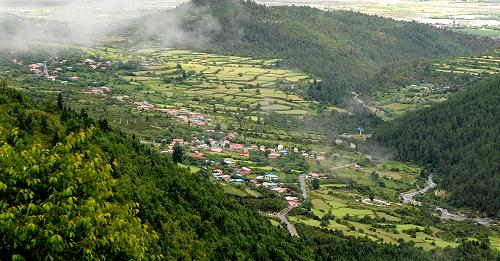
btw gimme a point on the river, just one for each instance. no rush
(409, 198)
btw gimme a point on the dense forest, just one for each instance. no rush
(72, 187)
(344, 49)
(460, 140)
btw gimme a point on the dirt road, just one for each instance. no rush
(291, 228)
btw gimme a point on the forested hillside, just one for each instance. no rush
(70, 190)
(345, 49)
(460, 139)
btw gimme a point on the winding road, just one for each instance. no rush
(291, 228)
(409, 198)
(370, 108)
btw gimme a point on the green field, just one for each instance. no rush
(479, 31)
(238, 82)
(472, 65)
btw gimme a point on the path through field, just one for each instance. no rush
(291, 228)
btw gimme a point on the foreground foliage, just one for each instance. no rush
(57, 204)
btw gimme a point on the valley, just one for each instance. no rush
(231, 130)
(242, 120)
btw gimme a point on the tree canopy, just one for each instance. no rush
(459, 139)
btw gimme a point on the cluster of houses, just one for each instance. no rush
(185, 116)
(269, 180)
(42, 70)
(102, 66)
(50, 69)
(98, 90)
(38, 69)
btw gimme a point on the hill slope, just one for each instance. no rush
(70, 196)
(344, 48)
(460, 139)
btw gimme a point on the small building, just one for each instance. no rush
(216, 149)
(273, 155)
(237, 181)
(143, 106)
(203, 147)
(180, 141)
(245, 171)
(230, 163)
(197, 155)
(218, 172)
(225, 177)
(271, 177)
(236, 146)
(315, 175)
(293, 201)
(269, 184)
(279, 189)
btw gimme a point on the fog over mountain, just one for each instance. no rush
(84, 22)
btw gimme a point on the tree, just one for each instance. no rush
(325, 220)
(104, 125)
(3, 83)
(56, 203)
(178, 154)
(315, 184)
(371, 195)
(60, 102)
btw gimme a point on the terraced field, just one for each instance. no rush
(471, 65)
(236, 83)
(387, 224)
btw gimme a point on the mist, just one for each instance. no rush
(86, 22)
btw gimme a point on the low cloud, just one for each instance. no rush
(85, 22)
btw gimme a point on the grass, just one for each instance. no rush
(387, 216)
(192, 169)
(400, 228)
(229, 189)
(479, 31)
(320, 204)
(342, 212)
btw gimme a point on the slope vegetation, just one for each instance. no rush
(72, 191)
(459, 139)
(343, 48)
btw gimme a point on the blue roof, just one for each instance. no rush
(237, 180)
(270, 184)
(271, 175)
